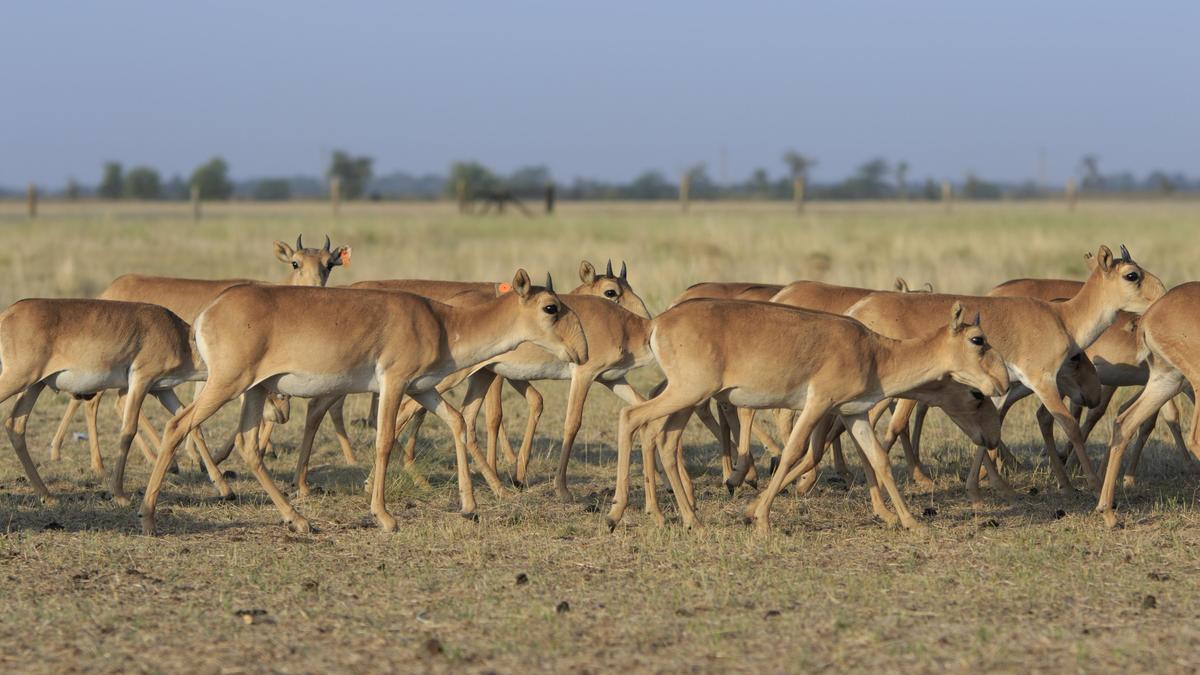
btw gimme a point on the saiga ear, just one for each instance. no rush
(587, 273)
(341, 256)
(1104, 257)
(956, 318)
(283, 252)
(901, 285)
(1091, 261)
(521, 283)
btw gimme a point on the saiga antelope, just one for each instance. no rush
(83, 347)
(1167, 341)
(329, 342)
(185, 298)
(1115, 355)
(1036, 337)
(613, 288)
(762, 355)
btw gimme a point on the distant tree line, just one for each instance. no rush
(877, 178)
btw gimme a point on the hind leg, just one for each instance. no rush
(210, 400)
(63, 426)
(170, 401)
(252, 412)
(1164, 383)
(672, 401)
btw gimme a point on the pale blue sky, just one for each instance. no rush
(603, 89)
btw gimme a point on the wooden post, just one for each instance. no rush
(335, 193)
(685, 183)
(947, 194)
(195, 202)
(460, 194)
(1072, 194)
(31, 197)
(798, 193)
(550, 197)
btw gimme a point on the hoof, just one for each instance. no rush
(470, 515)
(1110, 518)
(50, 500)
(122, 500)
(747, 520)
(300, 526)
(229, 475)
(386, 523)
(916, 526)
(231, 497)
(565, 496)
(519, 484)
(148, 526)
(752, 482)
(1129, 481)
(730, 486)
(173, 469)
(774, 465)
(612, 524)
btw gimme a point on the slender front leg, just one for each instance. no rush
(1047, 390)
(433, 402)
(581, 380)
(533, 402)
(90, 412)
(129, 427)
(864, 435)
(493, 415)
(1094, 414)
(337, 413)
(15, 426)
(385, 435)
(744, 458)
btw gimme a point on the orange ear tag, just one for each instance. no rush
(504, 288)
(345, 256)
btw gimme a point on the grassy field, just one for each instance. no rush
(537, 584)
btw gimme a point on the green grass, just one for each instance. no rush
(1014, 587)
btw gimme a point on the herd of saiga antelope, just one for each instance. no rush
(829, 359)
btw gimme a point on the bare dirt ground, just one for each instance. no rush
(1039, 585)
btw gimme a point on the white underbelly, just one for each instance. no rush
(307, 385)
(88, 382)
(546, 370)
(745, 398)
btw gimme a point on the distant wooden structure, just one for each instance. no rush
(550, 197)
(31, 200)
(496, 198)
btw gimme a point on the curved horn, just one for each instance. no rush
(1125, 254)
(549, 283)
(299, 242)
(326, 243)
(608, 272)
(623, 269)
